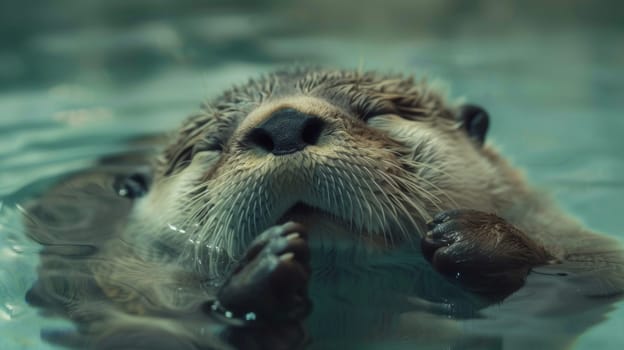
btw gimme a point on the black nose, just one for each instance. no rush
(286, 131)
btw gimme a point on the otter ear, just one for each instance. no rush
(475, 120)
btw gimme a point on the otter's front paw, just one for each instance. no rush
(481, 251)
(270, 283)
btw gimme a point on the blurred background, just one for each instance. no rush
(77, 78)
(550, 72)
(120, 42)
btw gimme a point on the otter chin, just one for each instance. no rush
(205, 242)
(325, 227)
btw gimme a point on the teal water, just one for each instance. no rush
(71, 91)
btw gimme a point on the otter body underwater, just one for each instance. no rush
(409, 230)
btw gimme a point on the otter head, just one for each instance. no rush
(362, 156)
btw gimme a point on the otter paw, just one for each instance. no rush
(271, 281)
(481, 251)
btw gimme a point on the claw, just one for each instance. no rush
(272, 278)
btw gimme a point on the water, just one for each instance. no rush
(77, 81)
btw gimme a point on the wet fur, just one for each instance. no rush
(394, 155)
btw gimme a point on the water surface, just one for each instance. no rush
(73, 92)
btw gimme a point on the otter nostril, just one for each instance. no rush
(262, 139)
(312, 129)
(286, 131)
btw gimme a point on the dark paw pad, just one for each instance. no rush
(271, 281)
(481, 251)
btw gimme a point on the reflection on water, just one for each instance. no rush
(78, 80)
(362, 299)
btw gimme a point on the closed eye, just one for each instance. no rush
(209, 144)
(378, 110)
(383, 120)
(185, 156)
(181, 160)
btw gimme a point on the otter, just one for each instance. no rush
(284, 188)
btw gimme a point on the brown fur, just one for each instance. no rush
(392, 157)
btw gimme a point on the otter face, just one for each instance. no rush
(358, 155)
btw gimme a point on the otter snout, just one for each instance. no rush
(286, 131)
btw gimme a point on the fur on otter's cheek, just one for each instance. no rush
(400, 129)
(383, 121)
